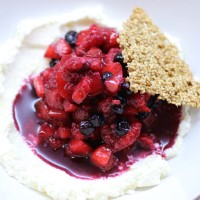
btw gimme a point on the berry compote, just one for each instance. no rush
(79, 115)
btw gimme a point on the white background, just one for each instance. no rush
(179, 18)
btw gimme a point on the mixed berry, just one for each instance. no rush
(85, 107)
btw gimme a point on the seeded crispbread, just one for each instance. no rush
(154, 64)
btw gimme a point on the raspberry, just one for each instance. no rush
(58, 49)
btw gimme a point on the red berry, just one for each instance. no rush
(58, 49)
(42, 110)
(146, 141)
(63, 133)
(73, 63)
(115, 69)
(78, 148)
(53, 99)
(55, 143)
(103, 158)
(39, 86)
(58, 114)
(45, 131)
(112, 84)
(76, 134)
(69, 107)
(82, 90)
(96, 84)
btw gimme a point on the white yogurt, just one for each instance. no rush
(21, 57)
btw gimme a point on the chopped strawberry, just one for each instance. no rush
(73, 63)
(39, 86)
(58, 114)
(45, 131)
(76, 134)
(129, 138)
(69, 107)
(103, 158)
(58, 49)
(112, 84)
(96, 84)
(55, 143)
(82, 90)
(105, 105)
(63, 133)
(78, 148)
(146, 141)
(42, 110)
(115, 69)
(54, 100)
(111, 54)
(64, 88)
(117, 142)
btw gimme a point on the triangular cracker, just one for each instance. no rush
(154, 63)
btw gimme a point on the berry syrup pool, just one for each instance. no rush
(163, 121)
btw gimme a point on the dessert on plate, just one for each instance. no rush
(92, 112)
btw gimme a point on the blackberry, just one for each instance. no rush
(86, 128)
(97, 119)
(122, 127)
(53, 62)
(70, 38)
(106, 75)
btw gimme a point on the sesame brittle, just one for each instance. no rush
(154, 63)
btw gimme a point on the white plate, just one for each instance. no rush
(175, 17)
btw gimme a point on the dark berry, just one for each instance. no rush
(86, 127)
(53, 62)
(152, 101)
(119, 58)
(125, 87)
(97, 119)
(118, 109)
(121, 98)
(70, 37)
(142, 115)
(122, 127)
(106, 75)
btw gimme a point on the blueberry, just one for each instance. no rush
(106, 75)
(152, 101)
(142, 115)
(119, 58)
(125, 87)
(122, 127)
(70, 37)
(97, 119)
(86, 127)
(119, 109)
(53, 62)
(121, 98)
